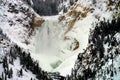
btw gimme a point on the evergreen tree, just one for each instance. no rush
(1, 78)
(21, 72)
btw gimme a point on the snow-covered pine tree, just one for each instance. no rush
(89, 64)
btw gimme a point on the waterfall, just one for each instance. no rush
(49, 37)
(52, 51)
(48, 43)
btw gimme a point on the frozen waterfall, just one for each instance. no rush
(49, 37)
(52, 51)
(48, 44)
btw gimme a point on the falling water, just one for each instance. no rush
(53, 53)
(48, 43)
(49, 37)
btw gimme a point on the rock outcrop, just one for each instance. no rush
(36, 21)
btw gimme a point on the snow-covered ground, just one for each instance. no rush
(48, 43)
(53, 52)
(27, 75)
(51, 49)
(49, 46)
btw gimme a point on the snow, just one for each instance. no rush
(16, 67)
(17, 33)
(66, 67)
(48, 40)
(1, 69)
(48, 45)
(111, 64)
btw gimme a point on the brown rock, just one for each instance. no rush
(37, 21)
(76, 45)
(84, 14)
(66, 38)
(71, 24)
(61, 18)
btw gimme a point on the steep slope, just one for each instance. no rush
(100, 60)
(16, 64)
(61, 38)
(93, 63)
(88, 30)
(18, 21)
(82, 16)
(17, 24)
